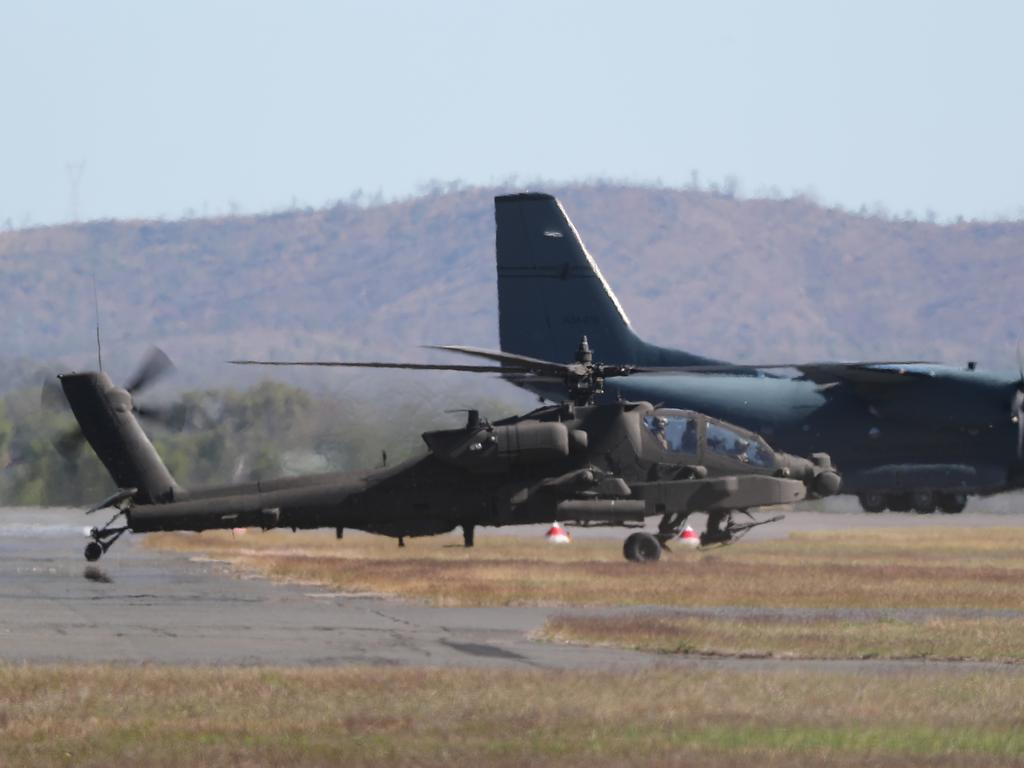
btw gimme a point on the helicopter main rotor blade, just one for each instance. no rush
(609, 370)
(407, 366)
(154, 366)
(736, 367)
(52, 398)
(510, 360)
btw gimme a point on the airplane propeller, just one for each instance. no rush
(154, 366)
(1017, 416)
(1017, 403)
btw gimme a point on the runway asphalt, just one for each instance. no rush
(140, 606)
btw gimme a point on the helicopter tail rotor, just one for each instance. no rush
(107, 417)
(155, 366)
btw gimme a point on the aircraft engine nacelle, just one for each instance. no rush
(528, 443)
(495, 449)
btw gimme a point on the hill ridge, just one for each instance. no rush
(739, 279)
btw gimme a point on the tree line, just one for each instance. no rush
(220, 435)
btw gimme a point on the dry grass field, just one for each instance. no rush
(890, 568)
(800, 637)
(832, 596)
(155, 716)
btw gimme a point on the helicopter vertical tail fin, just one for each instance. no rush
(551, 291)
(104, 414)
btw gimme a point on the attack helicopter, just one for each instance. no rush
(610, 464)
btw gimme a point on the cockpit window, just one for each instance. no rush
(673, 433)
(725, 442)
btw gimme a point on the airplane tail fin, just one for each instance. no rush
(104, 414)
(551, 291)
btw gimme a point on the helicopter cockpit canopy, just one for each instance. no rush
(750, 449)
(675, 431)
(681, 432)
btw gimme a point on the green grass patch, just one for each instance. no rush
(156, 716)
(997, 640)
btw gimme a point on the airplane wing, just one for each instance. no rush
(864, 373)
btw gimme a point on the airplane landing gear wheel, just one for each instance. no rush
(952, 503)
(898, 502)
(93, 551)
(923, 502)
(641, 548)
(872, 502)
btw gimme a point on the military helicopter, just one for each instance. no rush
(612, 464)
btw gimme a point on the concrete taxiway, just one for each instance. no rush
(141, 606)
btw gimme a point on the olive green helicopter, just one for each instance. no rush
(579, 462)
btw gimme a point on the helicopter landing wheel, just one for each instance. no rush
(641, 548)
(93, 551)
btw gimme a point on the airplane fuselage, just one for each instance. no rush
(903, 435)
(954, 419)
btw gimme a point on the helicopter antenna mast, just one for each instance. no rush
(96, 308)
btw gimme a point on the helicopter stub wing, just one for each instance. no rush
(721, 493)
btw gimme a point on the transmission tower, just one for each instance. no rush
(75, 171)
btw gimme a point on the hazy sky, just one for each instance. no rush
(207, 106)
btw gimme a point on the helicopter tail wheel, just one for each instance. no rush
(642, 548)
(103, 539)
(93, 551)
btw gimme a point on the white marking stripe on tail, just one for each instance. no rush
(593, 266)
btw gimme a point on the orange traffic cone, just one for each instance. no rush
(558, 534)
(689, 537)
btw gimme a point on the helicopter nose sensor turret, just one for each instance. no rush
(817, 473)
